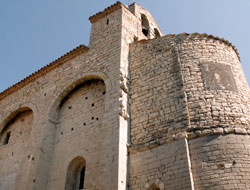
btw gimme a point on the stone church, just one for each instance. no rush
(135, 110)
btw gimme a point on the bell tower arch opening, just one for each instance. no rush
(145, 25)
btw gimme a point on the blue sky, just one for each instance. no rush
(34, 33)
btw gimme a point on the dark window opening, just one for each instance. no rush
(145, 25)
(76, 174)
(7, 139)
(107, 22)
(82, 175)
(157, 33)
(154, 187)
(145, 31)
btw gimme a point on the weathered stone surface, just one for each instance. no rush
(134, 110)
(217, 161)
(217, 76)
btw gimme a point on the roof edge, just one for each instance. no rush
(198, 35)
(118, 5)
(44, 70)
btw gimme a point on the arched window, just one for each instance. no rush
(81, 178)
(7, 138)
(15, 144)
(17, 127)
(154, 186)
(76, 174)
(157, 33)
(145, 25)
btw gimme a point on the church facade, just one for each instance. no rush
(134, 110)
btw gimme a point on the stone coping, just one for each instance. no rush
(44, 70)
(195, 36)
(189, 134)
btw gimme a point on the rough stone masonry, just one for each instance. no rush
(135, 110)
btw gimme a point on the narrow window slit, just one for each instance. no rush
(7, 139)
(82, 175)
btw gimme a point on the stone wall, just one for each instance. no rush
(188, 86)
(158, 106)
(186, 76)
(139, 113)
(220, 162)
(166, 167)
(15, 155)
(215, 86)
(80, 131)
(45, 94)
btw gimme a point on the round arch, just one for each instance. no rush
(16, 110)
(145, 25)
(157, 33)
(75, 173)
(53, 114)
(155, 185)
